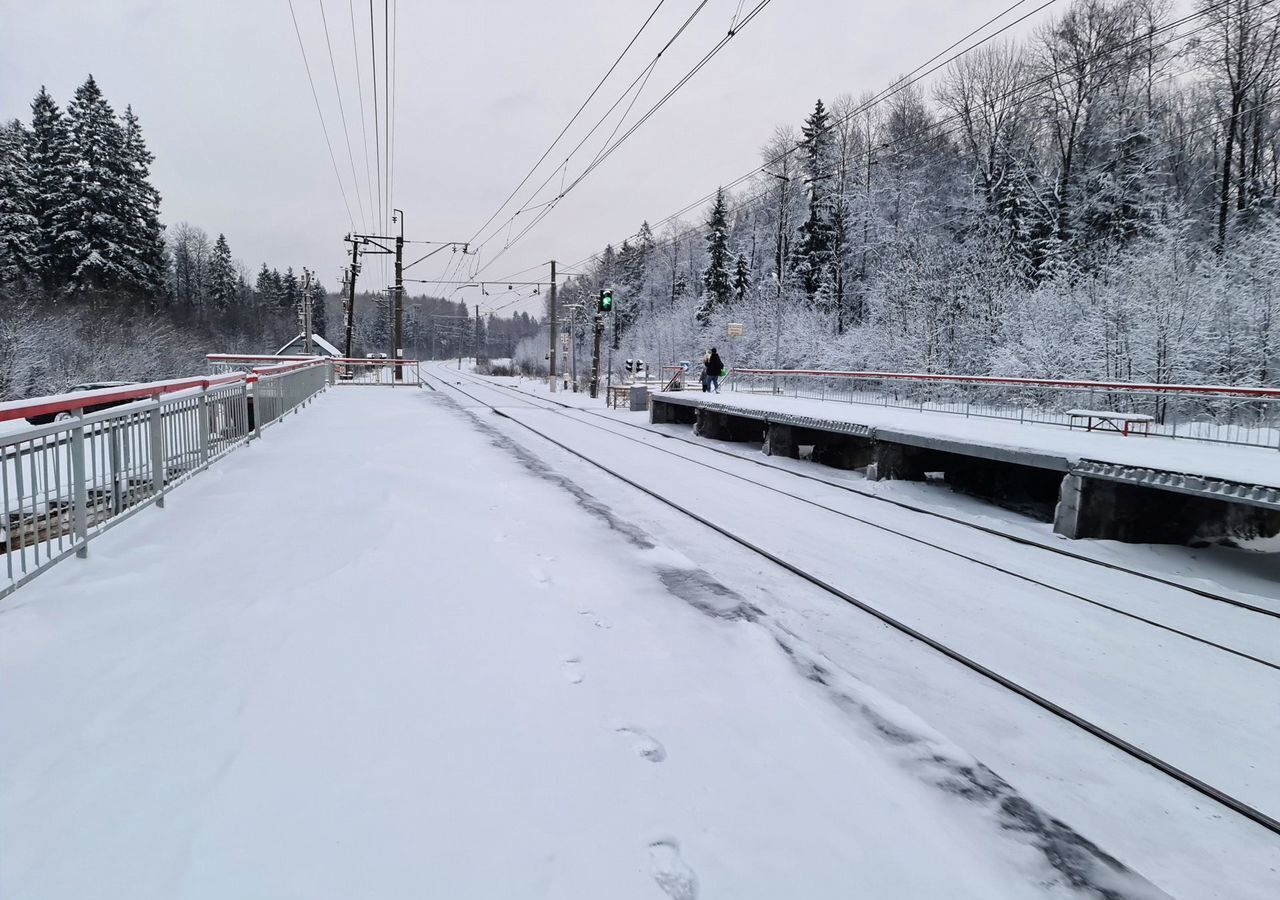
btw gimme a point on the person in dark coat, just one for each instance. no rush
(714, 368)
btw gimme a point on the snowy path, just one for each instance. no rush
(406, 660)
(1144, 683)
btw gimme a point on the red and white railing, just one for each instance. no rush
(1233, 414)
(344, 370)
(99, 456)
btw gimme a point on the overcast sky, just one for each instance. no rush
(482, 87)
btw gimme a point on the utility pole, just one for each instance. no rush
(595, 356)
(397, 328)
(477, 334)
(351, 291)
(306, 311)
(555, 326)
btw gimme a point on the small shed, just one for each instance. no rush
(319, 347)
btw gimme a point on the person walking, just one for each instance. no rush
(714, 369)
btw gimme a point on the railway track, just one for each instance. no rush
(1131, 749)
(901, 504)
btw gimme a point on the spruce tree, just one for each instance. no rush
(145, 234)
(814, 253)
(319, 318)
(222, 279)
(717, 281)
(741, 278)
(290, 297)
(92, 232)
(19, 261)
(50, 164)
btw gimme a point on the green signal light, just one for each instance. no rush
(606, 301)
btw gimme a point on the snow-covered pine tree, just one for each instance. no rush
(813, 254)
(145, 234)
(50, 164)
(717, 281)
(741, 277)
(91, 226)
(19, 261)
(319, 319)
(222, 279)
(290, 295)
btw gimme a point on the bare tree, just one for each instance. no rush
(1241, 48)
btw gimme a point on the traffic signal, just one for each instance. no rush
(606, 301)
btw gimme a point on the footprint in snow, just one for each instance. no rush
(645, 744)
(671, 872)
(572, 669)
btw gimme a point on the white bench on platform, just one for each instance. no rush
(1105, 420)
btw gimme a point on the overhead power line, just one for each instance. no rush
(346, 132)
(719, 45)
(316, 97)
(377, 146)
(364, 128)
(572, 119)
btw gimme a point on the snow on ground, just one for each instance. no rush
(1252, 572)
(1186, 845)
(1248, 465)
(386, 654)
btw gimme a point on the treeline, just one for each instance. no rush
(1097, 200)
(91, 285)
(434, 328)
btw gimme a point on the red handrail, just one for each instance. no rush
(57, 403)
(250, 357)
(1217, 390)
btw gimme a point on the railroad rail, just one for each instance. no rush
(1181, 776)
(902, 504)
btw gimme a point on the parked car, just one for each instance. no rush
(46, 418)
(376, 356)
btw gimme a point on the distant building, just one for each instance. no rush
(319, 347)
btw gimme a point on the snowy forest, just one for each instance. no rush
(94, 287)
(1098, 200)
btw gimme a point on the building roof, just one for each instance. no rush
(323, 347)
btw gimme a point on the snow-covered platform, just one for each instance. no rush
(875, 436)
(364, 659)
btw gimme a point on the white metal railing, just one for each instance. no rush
(108, 453)
(1225, 414)
(344, 371)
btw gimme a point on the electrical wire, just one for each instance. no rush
(323, 127)
(364, 128)
(346, 132)
(599, 122)
(373, 66)
(569, 124)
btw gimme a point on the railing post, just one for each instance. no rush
(113, 449)
(79, 487)
(203, 416)
(157, 452)
(251, 387)
(332, 373)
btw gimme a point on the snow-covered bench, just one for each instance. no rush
(1105, 420)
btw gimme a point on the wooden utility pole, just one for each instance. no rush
(306, 312)
(397, 328)
(555, 326)
(351, 291)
